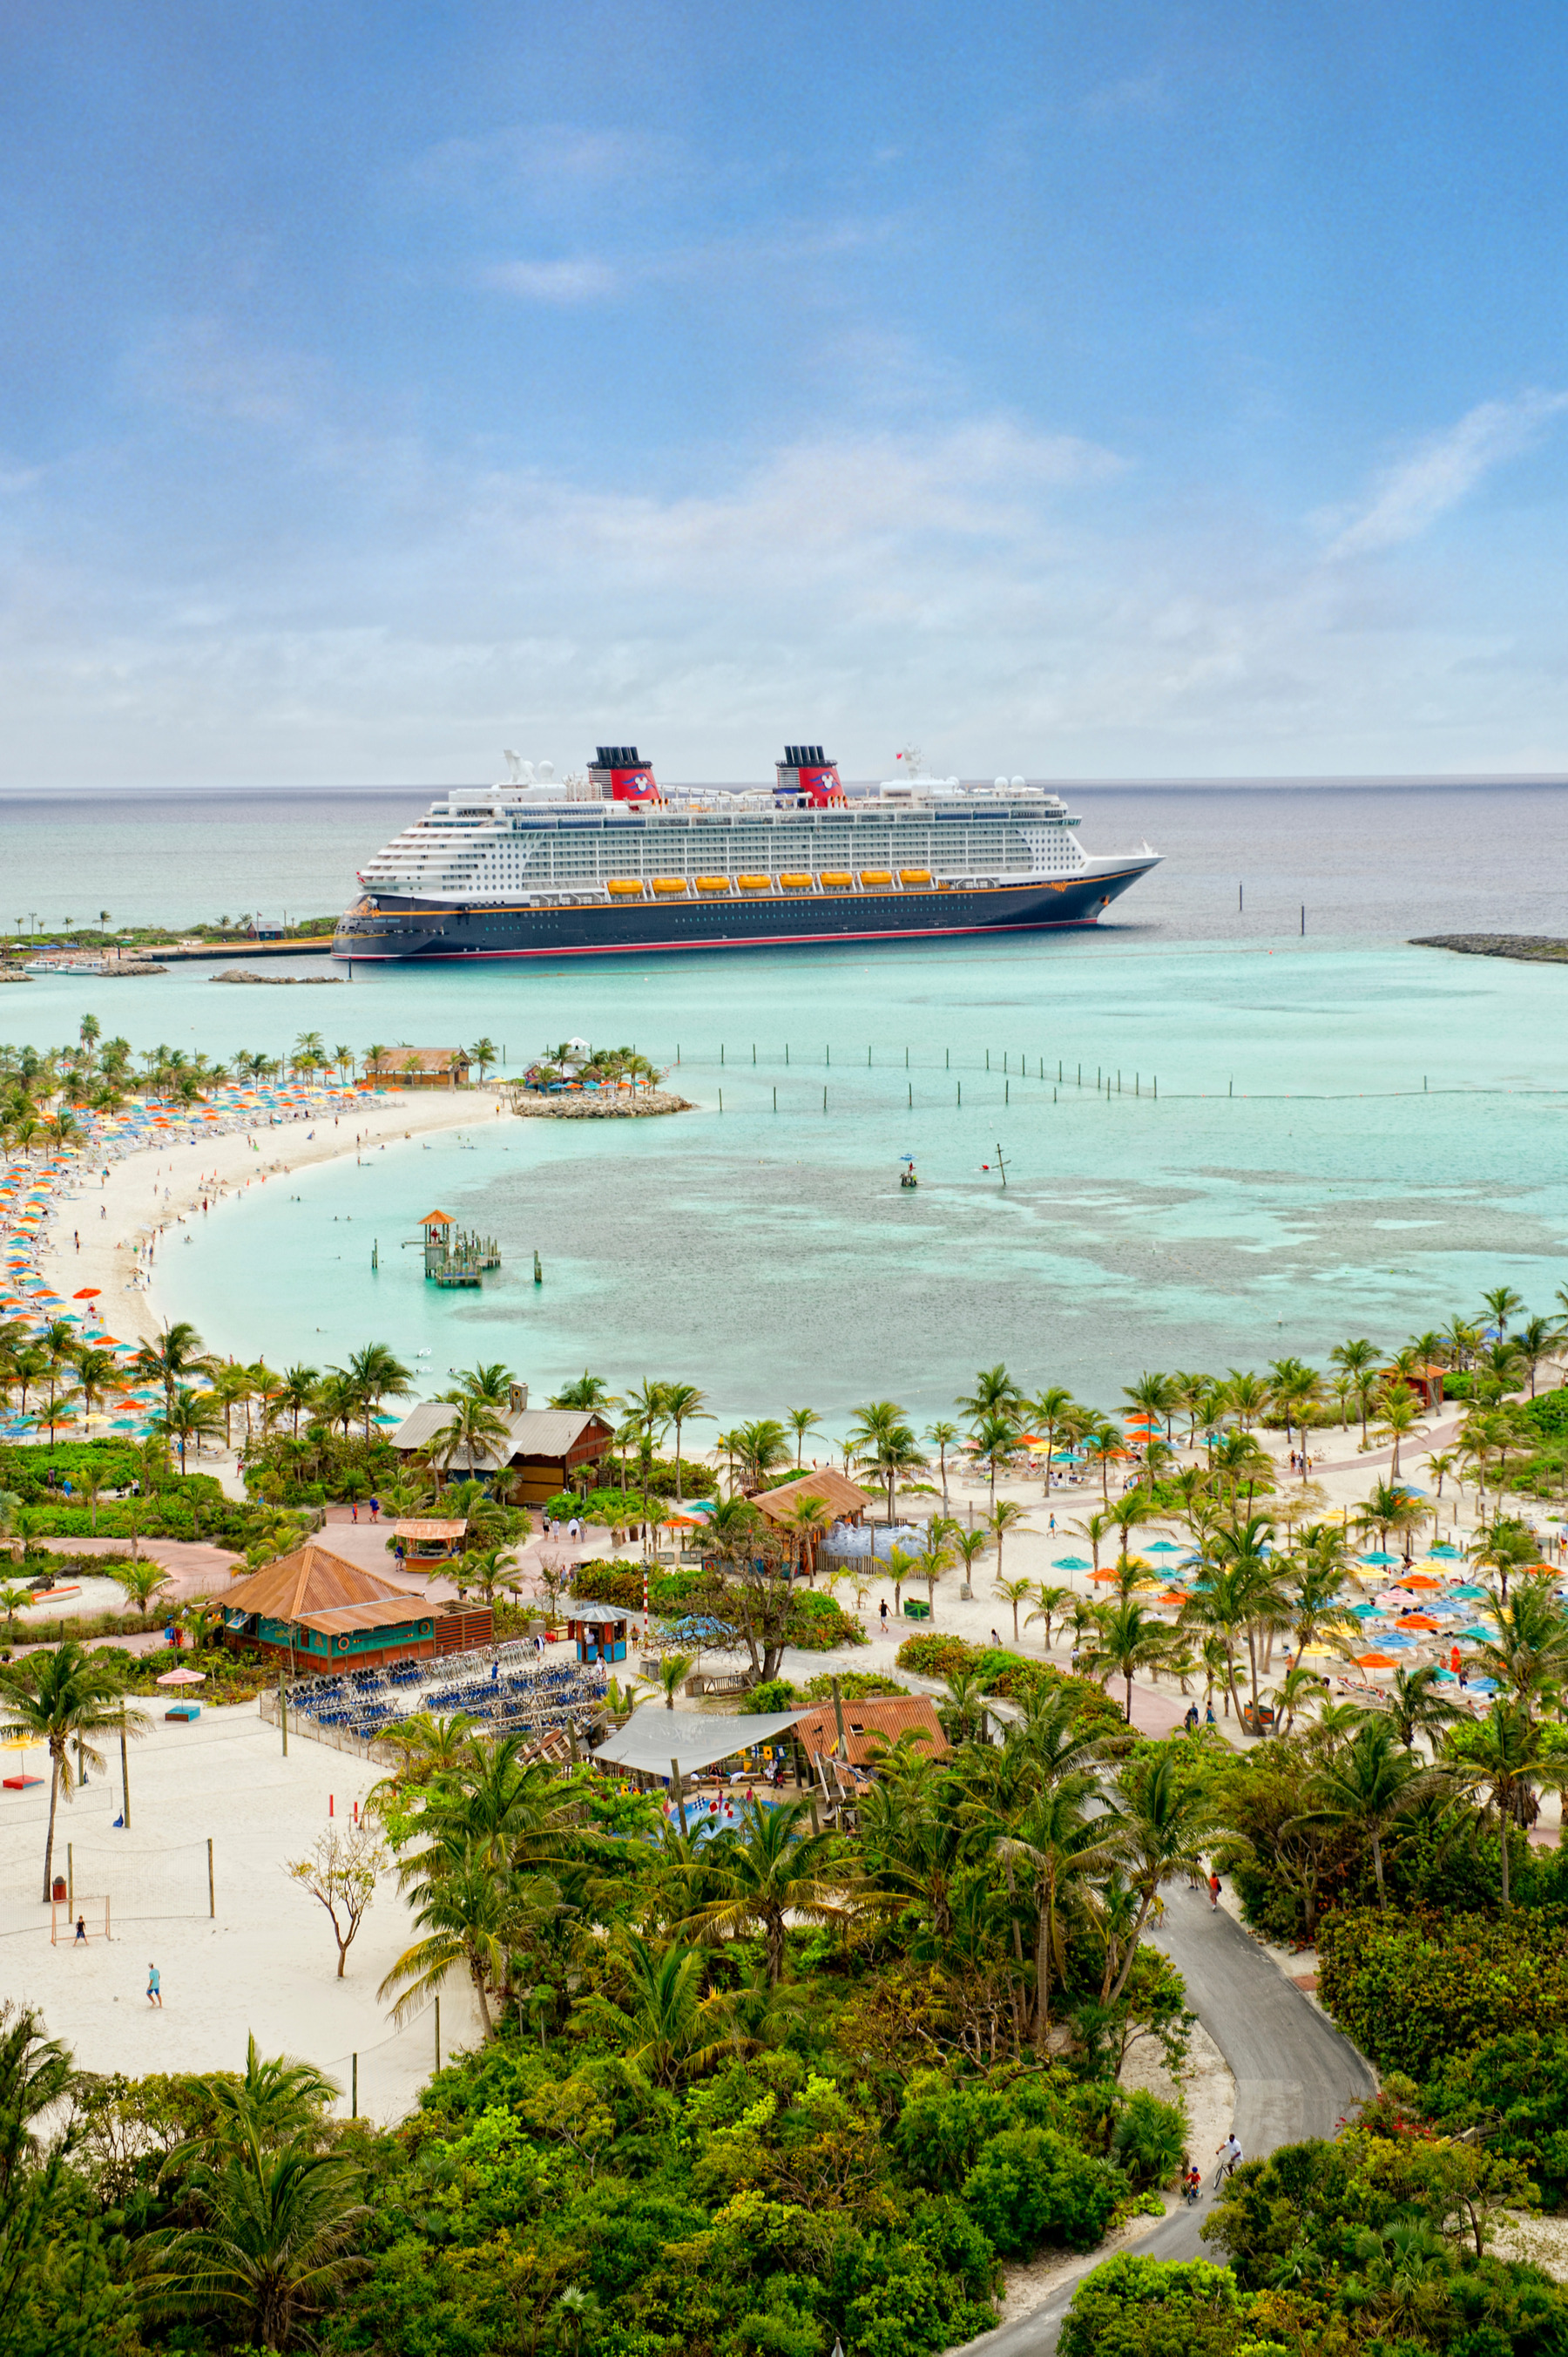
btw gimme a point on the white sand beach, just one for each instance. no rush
(149, 1194)
(266, 1961)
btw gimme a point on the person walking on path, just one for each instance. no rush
(154, 1987)
(1213, 1893)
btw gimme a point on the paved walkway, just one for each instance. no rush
(1296, 2077)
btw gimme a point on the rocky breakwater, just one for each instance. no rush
(1535, 949)
(618, 1105)
(274, 981)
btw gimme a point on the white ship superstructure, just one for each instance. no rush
(695, 866)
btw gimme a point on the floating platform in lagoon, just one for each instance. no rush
(455, 1255)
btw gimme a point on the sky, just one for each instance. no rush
(1100, 390)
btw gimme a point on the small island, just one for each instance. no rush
(576, 1081)
(1536, 948)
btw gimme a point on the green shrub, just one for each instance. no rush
(932, 1656)
(1523, 2076)
(773, 1694)
(1149, 2140)
(1031, 2186)
(853, 1685)
(1413, 1994)
(817, 1626)
(1154, 2308)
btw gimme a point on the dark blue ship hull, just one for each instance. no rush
(388, 925)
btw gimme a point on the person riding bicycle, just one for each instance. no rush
(1231, 2155)
(1192, 2183)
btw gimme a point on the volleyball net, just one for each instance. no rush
(158, 1882)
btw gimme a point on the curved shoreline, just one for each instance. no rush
(147, 1195)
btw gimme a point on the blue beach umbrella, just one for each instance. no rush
(1073, 1563)
(1468, 1595)
(1163, 1546)
(1379, 1559)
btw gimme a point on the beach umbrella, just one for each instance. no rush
(87, 1293)
(1163, 1546)
(1071, 1562)
(1417, 1620)
(1376, 1661)
(1420, 1579)
(1379, 1559)
(1479, 1636)
(1443, 1547)
(1469, 1595)
(183, 1678)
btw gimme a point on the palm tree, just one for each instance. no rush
(189, 1417)
(377, 1374)
(474, 1431)
(142, 1584)
(469, 1914)
(1398, 1417)
(994, 1438)
(176, 1353)
(1248, 1396)
(1163, 1826)
(801, 1420)
(768, 1871)
(1094, 1527)
(1102, 1446)
(429, 1746)
(1156, 1395)
(59, 1697)
(1367, 1786)
(942, 1436)
(933, 1559)
(882, 1442)
(1049, 1408)
(1014, 1592)
(1058, 1846)
(995, 1393)
(999, 1521)
(13, 1596)
(297, 1392)
(274, 2246)
(672, 1668)
(1048, 1602)
(682, 1404)
(1503, 1303)
(1540, 1337)
(1503, 1754)
(1414, 1704)
(584, 1391)
(667, 2017)
(1388, 1509)
(969, 1546)
(483, 1052)
(1127, 1639)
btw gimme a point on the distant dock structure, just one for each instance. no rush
(455, 1255)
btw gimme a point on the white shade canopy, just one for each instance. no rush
(653, 1736)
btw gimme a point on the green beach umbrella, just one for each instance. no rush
(1073, 1563)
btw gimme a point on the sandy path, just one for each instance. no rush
(93, 1241)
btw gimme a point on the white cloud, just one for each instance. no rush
(202, 369)
(989, 585)
(584, 280)
(591, 278)
(1442, 471)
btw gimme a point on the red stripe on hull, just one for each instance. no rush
(719, 941)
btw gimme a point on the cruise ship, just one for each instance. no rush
(609, 861)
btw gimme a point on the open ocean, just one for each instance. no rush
(1350, 1135)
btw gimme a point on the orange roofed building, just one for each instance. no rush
(321, 1612)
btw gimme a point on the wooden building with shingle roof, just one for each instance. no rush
(321, 1612)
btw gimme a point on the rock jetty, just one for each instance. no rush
(1535, 949)
(272, 981)
(620, 1105)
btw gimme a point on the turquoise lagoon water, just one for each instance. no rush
(1350, 1135)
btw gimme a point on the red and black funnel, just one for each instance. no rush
(617, 769)
(806, 775)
